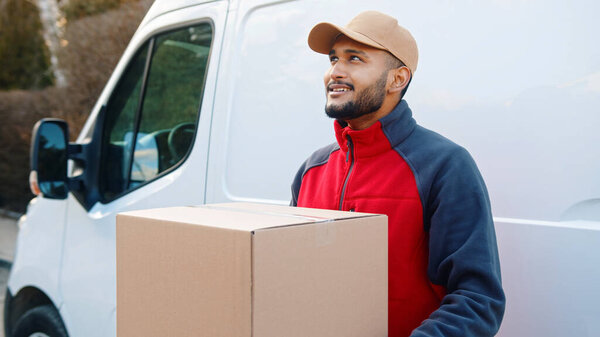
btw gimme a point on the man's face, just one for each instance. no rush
(356, 82)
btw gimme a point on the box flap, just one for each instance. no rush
(295, 211)
(243, 216)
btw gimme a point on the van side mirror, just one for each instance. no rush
(49, 146)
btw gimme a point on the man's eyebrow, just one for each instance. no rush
(350, 51)
(354, 51)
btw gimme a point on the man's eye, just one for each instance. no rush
(355, 58)
(333, 59)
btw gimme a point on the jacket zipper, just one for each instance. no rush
(351, 155)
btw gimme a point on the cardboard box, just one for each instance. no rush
(256, 270)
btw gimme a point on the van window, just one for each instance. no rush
(151, 117)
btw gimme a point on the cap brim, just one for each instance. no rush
(322, 37)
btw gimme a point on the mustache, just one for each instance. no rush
(339, 83)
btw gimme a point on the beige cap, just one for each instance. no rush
(372, 28)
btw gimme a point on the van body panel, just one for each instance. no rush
(550, 276)
(523, 125)
(38, 251)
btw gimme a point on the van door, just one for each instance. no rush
(153, 152)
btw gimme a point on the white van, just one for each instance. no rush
(223, 100)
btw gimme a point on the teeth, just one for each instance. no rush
(340, 89)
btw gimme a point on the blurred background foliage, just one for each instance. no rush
(75, 9)
(23, 53)
(95, 34)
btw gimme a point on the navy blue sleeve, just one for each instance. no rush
(463, 254)
(296, 185)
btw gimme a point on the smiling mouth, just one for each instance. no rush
(339, 87)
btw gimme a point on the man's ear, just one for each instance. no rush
(400, 78)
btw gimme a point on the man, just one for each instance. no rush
(444, 273)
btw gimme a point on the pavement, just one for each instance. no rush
(8, 236)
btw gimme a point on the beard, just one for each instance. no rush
(367, 101)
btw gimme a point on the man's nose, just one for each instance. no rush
(337, 71)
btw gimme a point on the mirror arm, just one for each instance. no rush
(77, 153)
(73, 150)
(87, 156)
(75, 184)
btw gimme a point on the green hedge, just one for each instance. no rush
(79, 8)
(23, 54)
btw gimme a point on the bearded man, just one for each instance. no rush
(444, 271)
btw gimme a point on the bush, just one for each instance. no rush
(23, 54)
(18, 110)
(75, 9)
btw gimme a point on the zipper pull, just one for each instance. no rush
(347, 154)
(349, 146)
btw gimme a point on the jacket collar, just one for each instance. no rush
(383, 135)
